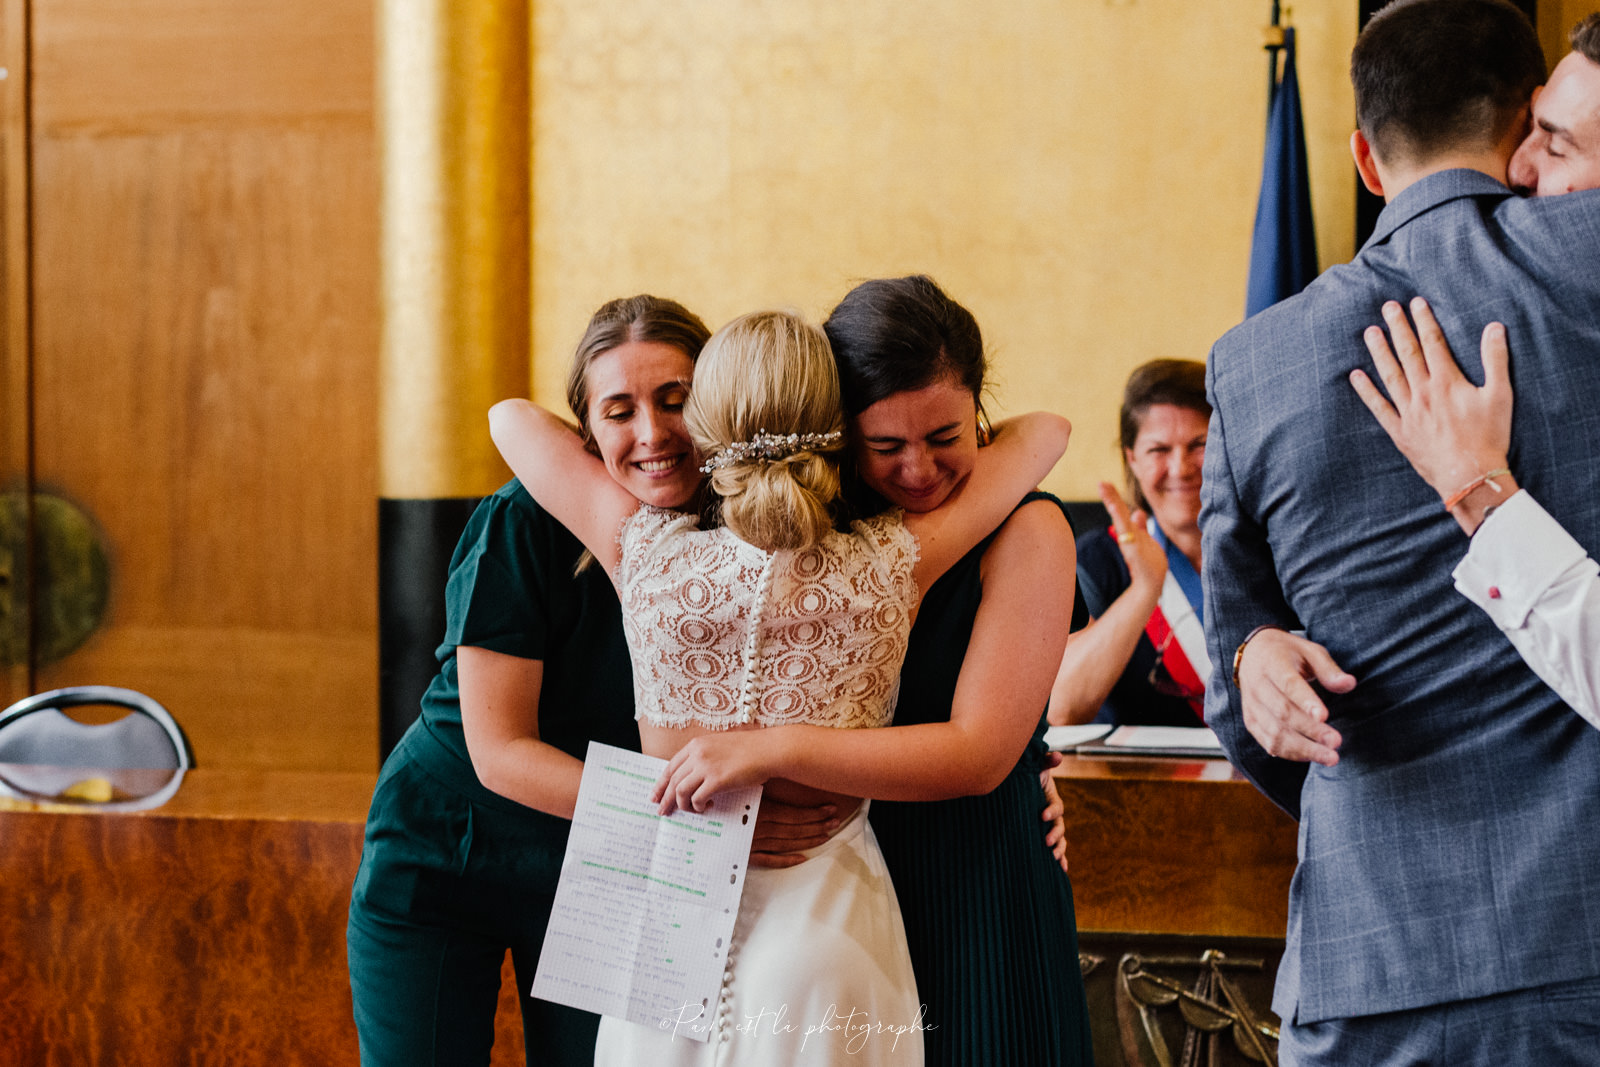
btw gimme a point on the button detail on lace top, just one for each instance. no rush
(751, 691)
(723, 634)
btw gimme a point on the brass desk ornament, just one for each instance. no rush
(1139, 993)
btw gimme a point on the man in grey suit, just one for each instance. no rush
(1446, 908)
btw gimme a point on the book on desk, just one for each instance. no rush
(1100, 739)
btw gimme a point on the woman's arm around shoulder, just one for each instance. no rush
(567, 480)
(1004, 684)
(1023, 451)
(1029, 577)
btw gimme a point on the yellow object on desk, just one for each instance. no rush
(83, 791)
(93, 790)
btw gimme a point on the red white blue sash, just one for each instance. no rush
(1180, 641)
(1176, 631)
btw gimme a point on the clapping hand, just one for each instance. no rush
(1147, 561)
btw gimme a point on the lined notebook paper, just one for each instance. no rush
(646, 904)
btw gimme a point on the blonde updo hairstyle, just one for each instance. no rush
(769, 371)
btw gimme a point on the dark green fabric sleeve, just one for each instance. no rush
(497, 591)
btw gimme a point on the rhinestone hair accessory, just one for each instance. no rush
(768, 446)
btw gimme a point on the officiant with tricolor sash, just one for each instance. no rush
(1142, 659)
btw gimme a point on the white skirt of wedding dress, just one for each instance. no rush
(818, 974)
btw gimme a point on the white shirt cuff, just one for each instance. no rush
(1516, 555)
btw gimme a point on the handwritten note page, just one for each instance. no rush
(646, 904)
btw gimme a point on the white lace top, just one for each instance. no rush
(722, 633)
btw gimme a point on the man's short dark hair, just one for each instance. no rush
(1435, 75)
(1585, 38)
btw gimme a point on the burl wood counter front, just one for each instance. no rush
(1186, 847)
(209, 931)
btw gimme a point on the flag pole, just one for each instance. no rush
(1272, 41)
(1283, 256)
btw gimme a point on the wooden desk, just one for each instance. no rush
(1184, 847)
(208, 931)
(1170, 859)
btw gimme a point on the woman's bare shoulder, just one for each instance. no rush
(1037, 526)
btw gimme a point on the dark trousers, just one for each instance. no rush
(448, 883)
(428, 996)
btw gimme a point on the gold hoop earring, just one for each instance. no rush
(985, 430)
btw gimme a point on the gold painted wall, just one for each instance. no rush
(1556, 17)
(1081, 173)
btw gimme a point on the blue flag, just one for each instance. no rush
(1283, 252)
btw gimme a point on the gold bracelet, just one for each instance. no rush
(1238, 653)
(1482, 479)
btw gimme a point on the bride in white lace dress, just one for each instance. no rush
(775, 617)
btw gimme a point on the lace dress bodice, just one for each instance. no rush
(722, 633)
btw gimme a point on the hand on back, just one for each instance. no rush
(1451, 430)
(1281, 708)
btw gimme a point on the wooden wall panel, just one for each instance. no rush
(15, 353)
(114, 66)
(247, 697)
(206, 357)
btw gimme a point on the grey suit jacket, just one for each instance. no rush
(1454, 852)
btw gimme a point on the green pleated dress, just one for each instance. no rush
(988, 911)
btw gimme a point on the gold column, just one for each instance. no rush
(455, 130)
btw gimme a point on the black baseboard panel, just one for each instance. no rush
(416, 539)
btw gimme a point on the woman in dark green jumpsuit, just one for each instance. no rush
(469, 821)
(452, 874)
(988, 911)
